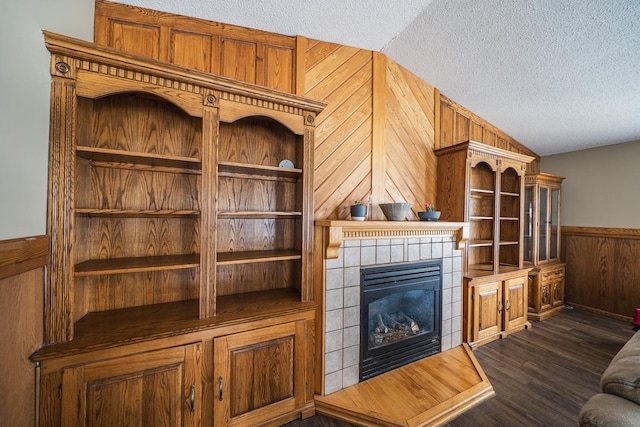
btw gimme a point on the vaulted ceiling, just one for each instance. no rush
(556, 75)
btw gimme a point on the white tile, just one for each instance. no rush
(447, 280)
(333, 361)
(350, 376)
(368, 255)
(413, 252)
(446, 296)
(456, 308)
(456, 324)
(334, 278)
(457, 263)
(352, 316)
(425, 251)
(397, 253)
(446, 311)
(333, 341)
(333, 299)
(333, 382)
(351, 356)
(351, 276)
(447, 249)
(351, 296)
(351, 336)
(446, 327)
(368, 242)
(447, 265)
(351, 256)
(436, 250)
(445, 343)
(351, 243)
(333, 320)
(383, 242)
(383, 254)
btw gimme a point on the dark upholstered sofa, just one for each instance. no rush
(618, 403)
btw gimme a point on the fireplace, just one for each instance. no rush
(401, 308)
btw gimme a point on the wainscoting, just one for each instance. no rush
(603, 269)
(22, 264)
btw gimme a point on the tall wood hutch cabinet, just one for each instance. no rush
(180, 215)
(484, 186)
(542, 245)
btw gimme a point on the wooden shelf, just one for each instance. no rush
(164, 213)
(259, 215)
(244, 170)
(481, 218)
(509, 218)
(479, 243)
(479, 192)
(227, 258)
(508, 242)
(509, 194)
(135, 265)
(121, 158)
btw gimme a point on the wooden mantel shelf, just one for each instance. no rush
(339, 230)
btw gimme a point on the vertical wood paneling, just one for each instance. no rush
(135, 38)
(199, 54)
(602, 272)
(341, 76)
(238, 60)
(253, 56)
(277, 68)
(457, 124)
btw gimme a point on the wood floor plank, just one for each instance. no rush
(541, 376)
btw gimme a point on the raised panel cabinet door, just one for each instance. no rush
(557, 288)
(487, 310)
(259, 374)
(515, 302)
(159, 388)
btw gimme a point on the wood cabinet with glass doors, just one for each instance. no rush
(180, 213)
(484, 186)
(542, 245)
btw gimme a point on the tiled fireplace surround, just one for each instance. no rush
(366, 245)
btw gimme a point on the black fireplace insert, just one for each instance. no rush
(400, 310)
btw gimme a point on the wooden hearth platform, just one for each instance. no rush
(429, 392)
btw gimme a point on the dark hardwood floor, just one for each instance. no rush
(541, 376)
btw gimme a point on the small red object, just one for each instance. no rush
(636, 318)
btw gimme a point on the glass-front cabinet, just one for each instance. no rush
(541, 242)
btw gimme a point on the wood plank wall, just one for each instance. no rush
(603, 272)
(457, 124)
(376, 136)
(22, 264)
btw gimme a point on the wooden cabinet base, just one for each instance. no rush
(495, 306)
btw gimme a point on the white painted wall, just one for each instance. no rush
(24, 110)
(602, 185)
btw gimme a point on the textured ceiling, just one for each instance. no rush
(556, 75)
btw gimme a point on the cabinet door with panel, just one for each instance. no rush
(159, 388)
(496, 305)
(486, 310)
(260, 375)
(515, 303)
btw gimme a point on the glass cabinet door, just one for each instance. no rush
(543, 224)
(555, 217)
(528, 224)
